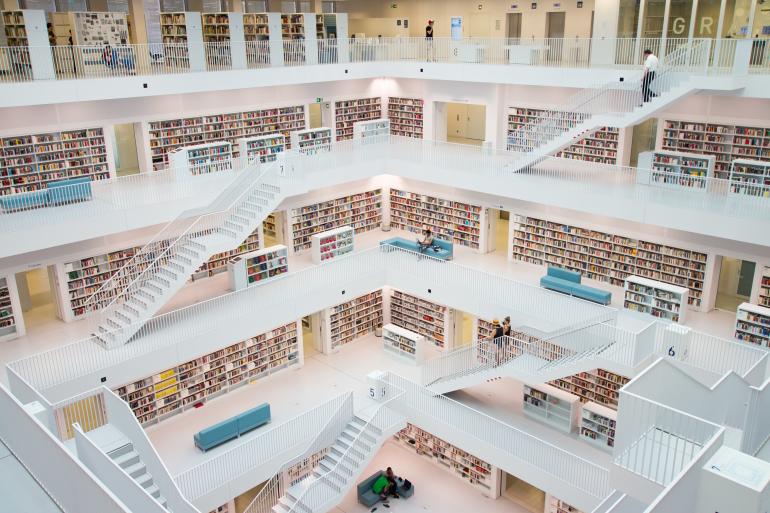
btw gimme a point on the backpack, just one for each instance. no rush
(407, 485)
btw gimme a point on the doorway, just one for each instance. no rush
(37, 296)
(273, 229)
(497, 236)
(554, 29)
(124, 150)
(465, 123)
(523, 493)
(513, 25)
(320, 115)
(312, 339)
(736, 278)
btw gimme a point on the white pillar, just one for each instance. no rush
(275, 36)
(311, 38)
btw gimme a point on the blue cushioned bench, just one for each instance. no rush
(568, 282)
(233, 427)
(441, 249)
(56, 193)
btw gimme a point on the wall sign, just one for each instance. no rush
(534, 5)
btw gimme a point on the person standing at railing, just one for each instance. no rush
(650, 67)
(497, 341)
(429, 40)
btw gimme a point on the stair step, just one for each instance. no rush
(352, 434)
(136, 469)
(127, 459)
(138, 304)
(333, 476)
(236, 227)
(187, 252)
(229, 233)
(144, 480)
(160, 280)
(153, 490)
(196, 245)
(167, 273)
(242, 220)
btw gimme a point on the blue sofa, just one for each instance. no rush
(368, 498)
(568, 282)
(233, 427)
(441, 249)
(56, 193)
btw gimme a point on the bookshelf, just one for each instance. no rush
(420, 316)
(725, 141)
(183, 30)
(293, 26)
(29, 162)
(26, 30)
(348, 112)
(256, 26)
(597, 425)
(554, 505)
(269, 226)
(312, 140)
(600, 146)
(173, 28)
(11, 323)
(331, 244)
(750, 177)
(376, 128)
(359, 211)
(598, 385)
(222, 27)
(480, 474)
(655, 298)
(218, 262)
(202, 159)
(675, 169)
(192, 383)
(266, 147)
(224, 508)
(406, 116)
(450, 220)
(607, 257)
(552, 406)
(15, 24)
(164, 136)
(403, 343)
(351, 320)
(257, 267)
(752, 324)
(303, 468)
(764, 288)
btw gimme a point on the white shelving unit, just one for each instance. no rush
(750, 177)
(360, 211)
(597, 425)
(349, 112)
(423, 317)
(450, 220)
(555, 505)
(607, 257)
(598, 385)
(27, 30)
(225, 28)
(312, 140)
(331, 244)
(218, 263)
(29, 162)
(197, 381)
(11, 321)
(377, 128)
(656, 298)
(266, 147)
(752, 324)
(403, 343)
(675, 169)
(346, 322)
(406, 116)
(303, 468)
(764, 288)
(257, 267)
(184, 31)
(552, 406)
(480, 474)
(201, 159)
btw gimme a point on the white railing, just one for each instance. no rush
(338, 418)
(756, 432)
(252, 454)
(656, 441)
(505, 440)
(96, 61)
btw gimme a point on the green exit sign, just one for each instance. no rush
(319, 100)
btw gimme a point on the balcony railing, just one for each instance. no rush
(92, 61)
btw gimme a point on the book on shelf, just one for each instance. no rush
(599, 385)
(202, 159)
(555, 505)
(257, 267)
(406, 116)
(265, 147)
(332, 244)
(463, 465)
(656, 298)
(764, 288)
(192, 383)
(597, 425)
(360, 211)
(353, 319)
(750, 177)
(449, 220)
(403, 343)
(304, 467)
(348, 112)
(312, 140)
(551, 405)
(375, 128)
(752, 324)
(675, 169)
(10, 323)
(607, 257)
(420, 316)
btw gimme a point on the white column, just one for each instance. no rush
(275, 38)
(343, 43)
(311, 38)
(40, 55)
(605, 33)
(300, 343)
(237, 40)
(195, 50)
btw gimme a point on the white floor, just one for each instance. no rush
(435, 489)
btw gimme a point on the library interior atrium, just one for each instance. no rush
(357, 256)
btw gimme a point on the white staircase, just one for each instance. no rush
(163, 266)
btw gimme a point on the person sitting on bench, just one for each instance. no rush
(426, 242)
(392, 487)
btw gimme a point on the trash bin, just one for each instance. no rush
(378, 331)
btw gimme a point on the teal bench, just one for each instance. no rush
(368, 498)
(441, 249)
(56, 193)
(233, 427)
(568, 282)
